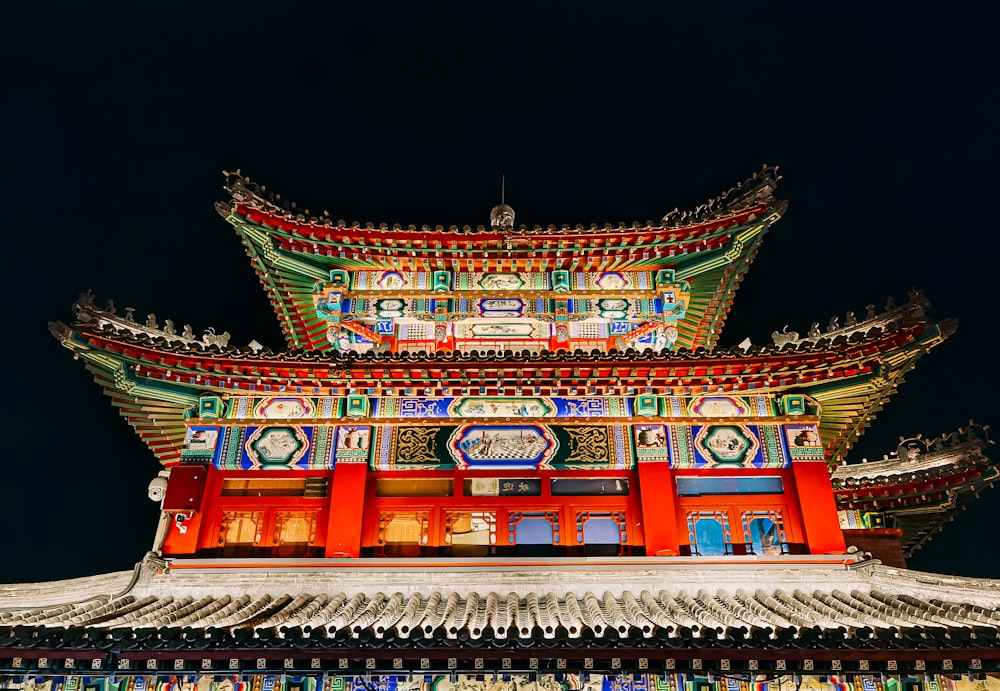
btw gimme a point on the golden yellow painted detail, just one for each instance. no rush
(588, 444)
(416, 445)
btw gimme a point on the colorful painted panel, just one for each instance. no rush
(421, 408)
(501, 330)
(353, 443)
(613, 280)
(651, 443)
(500, 307)
(727, 445)
(763, 406)
(718, 406)
(284, 408)
(390, 280)
(735, 446)
(593, 448)
(275, 447)
(201, 443)
(803, 442)
(409, 448)
(773, 449)
(241, 681)
(488, 446)
(505, 281)
(614, 308)
(389, 307)
(681, 446)
(502, 407)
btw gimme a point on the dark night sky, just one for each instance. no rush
(118, 122)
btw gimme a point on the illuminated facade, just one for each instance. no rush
(506, 456)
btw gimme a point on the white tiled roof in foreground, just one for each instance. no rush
(508, 601)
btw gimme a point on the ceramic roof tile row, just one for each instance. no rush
(937, 457)
(518, 616)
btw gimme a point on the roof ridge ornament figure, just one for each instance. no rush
(501, 215)
(784, 336)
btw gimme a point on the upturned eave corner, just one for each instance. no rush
(60, 331)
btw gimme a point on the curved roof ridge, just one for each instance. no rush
(912, 311)
(916, 454)
(63, 592)
(756, 190)
(109, 324)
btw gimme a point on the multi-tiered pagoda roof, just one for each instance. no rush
(502, 449)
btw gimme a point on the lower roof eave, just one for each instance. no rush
(823, 657)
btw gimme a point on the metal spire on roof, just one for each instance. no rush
(502, 216)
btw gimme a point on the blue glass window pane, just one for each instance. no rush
(764, 534)
(534, 531)
(700, 486)
(603, 531)
(710, 536)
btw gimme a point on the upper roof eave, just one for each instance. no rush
(755, 192)
(291, 250)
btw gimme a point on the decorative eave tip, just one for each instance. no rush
(758, 189)
(913, 311)
(60, 331)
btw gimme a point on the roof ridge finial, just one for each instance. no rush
(502, 216)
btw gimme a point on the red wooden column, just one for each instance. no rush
(659, 509)
(186, 503)
(818, 508)
(347, 501)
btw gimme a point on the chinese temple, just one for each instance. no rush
(513, 458)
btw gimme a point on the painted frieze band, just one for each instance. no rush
(487, 445)
(508, 681)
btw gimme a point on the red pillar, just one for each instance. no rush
(818, 508)
(186, 504)
(347, 501)
(658, 499)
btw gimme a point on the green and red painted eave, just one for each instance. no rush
(153, 386)
(291, 256)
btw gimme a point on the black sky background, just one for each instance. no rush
(118, 121)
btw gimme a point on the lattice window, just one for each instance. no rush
(470, 533)
(403, 533)
(601, 528)
(533, 528)
(709, 533)
(764, 531)
(240, 531)
(294, 532)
